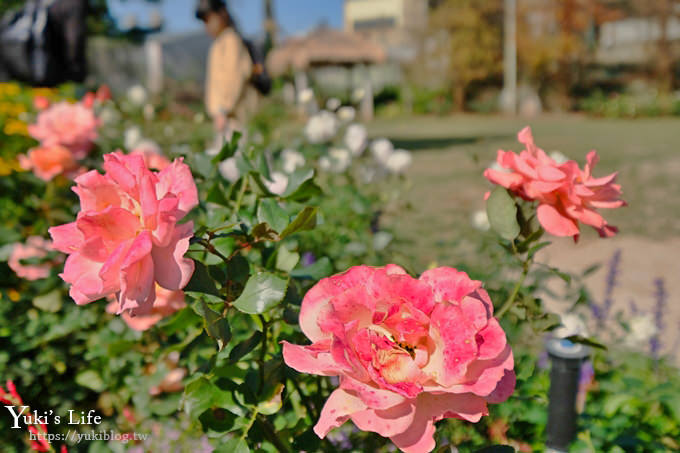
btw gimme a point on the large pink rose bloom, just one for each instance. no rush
(34, 248)
(566, 195)
(126, 237)
(73, 126)
(409, 352)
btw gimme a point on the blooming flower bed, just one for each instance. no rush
(247, 297)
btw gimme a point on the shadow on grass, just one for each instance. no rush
(441, 143)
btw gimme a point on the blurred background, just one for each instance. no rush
(453, 81)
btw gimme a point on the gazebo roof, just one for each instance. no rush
(324, 46)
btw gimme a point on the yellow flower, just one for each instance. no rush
(15, 127)
(47, 92)
(8, 166)
(11, 109)
(9, 89)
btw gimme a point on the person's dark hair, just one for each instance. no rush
(210, 6)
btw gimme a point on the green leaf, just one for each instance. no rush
(50, 302)
(536, 248)
(245, 347)
(270, 212)
(286, 260)
(563, 275)
(201, 282)
(320, 269)
(262, 292)
(502, 213)
(497, 449)
(199, 396)
(301, 186)
(273, 404)
(262, 231)
(216, 326)
(235, 445)
(91, 380)
(305, 220)
(216, 195)
(586, 341)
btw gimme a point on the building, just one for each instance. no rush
(398, 25)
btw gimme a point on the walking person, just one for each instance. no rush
(230, 98)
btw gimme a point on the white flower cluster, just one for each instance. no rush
(323, 128)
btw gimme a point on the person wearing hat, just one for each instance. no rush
(229, 97)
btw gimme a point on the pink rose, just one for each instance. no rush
(566, 195)
(49, 161)
(167, 302)
(34, 248)
(409, 352)
(126, 237)
(41, 102)
(73, 126)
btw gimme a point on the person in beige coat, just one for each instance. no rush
(230, 99)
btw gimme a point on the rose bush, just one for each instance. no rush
(408, 352)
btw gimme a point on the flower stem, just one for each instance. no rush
(252, 419)
(241, 193)
(263, 350)
(515, 291)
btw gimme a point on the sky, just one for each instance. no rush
(293, 16)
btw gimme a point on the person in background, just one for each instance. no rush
(229, 97)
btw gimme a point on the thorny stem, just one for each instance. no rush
(263, 350)
(252, 419)
(211, 248)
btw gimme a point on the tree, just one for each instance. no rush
(559, 39)
(468, 34)
(661, 12)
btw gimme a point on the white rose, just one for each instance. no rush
(229, 170)
(277, 184)
(355, 139)
(131, 137)
(321, 127)
(137, 95)
(480, 220)
(399, 161)
(333, 103)
(292, 160)
(340, 159)
(347, 114)
(642, 329)
(381, 150)
(305, 96)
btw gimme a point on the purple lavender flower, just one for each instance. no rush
(308, 259)
(661, 296)
(602, 312)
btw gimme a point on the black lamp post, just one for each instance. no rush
(566, 358)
